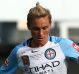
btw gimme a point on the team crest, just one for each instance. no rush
(50, 53)
(25, 60)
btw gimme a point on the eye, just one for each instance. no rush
(35, 28)
(44, 28)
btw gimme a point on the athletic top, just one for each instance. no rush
(48, 59)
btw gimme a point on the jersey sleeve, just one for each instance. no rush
(70, 49)
(11, 64)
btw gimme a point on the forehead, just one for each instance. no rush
(40, 21)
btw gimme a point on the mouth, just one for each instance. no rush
(40, 38)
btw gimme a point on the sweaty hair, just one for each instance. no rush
(37, 12)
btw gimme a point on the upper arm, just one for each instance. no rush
(11, 64)
(70, 49)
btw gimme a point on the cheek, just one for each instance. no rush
(47, 31)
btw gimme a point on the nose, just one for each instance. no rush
(40, 32)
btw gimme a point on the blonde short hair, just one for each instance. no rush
(37, 12)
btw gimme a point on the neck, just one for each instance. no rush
(37, 44)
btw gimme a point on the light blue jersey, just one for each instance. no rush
(43, 60)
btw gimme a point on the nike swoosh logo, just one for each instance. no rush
(34, 51)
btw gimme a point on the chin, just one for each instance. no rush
(41, 41)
